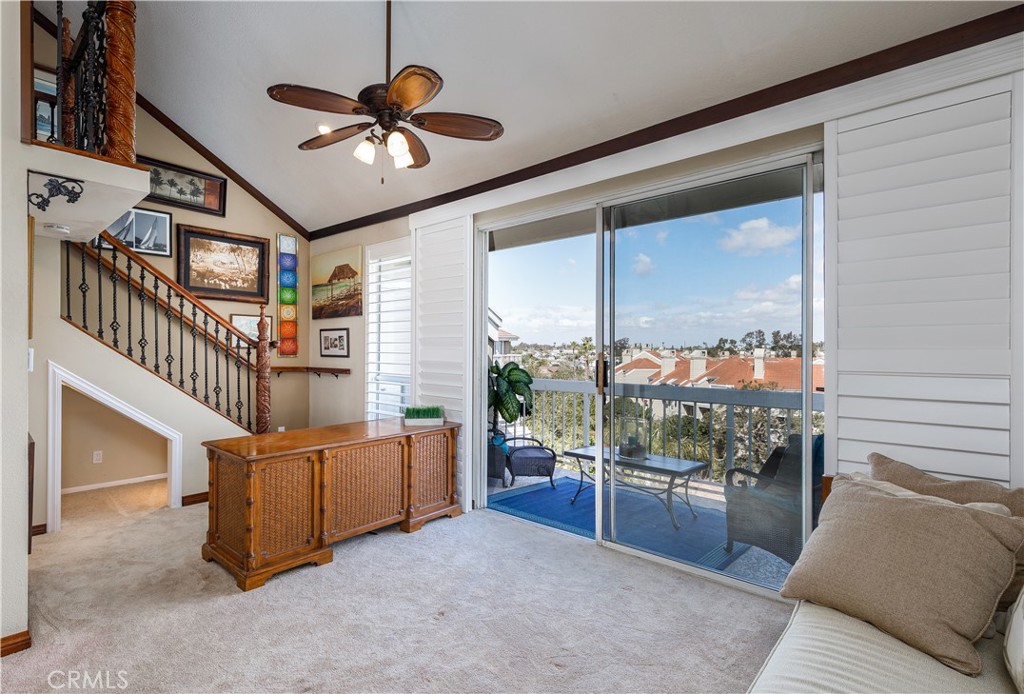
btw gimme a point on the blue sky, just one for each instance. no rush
(684, 281)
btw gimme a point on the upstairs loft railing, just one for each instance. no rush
(116, 296)
(94, 106)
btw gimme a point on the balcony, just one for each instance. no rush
(725, 428)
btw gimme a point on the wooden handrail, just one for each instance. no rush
(189, 296)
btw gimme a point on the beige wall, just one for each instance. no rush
(129, 449)
(55, 340)
(337, 400)
(14, 337)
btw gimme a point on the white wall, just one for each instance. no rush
(342, 399)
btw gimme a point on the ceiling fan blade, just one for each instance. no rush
(458, 125)
(413, 87)
(420, 156)
(316, 99)
(335, 136)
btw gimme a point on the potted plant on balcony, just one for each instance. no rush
(508, 394)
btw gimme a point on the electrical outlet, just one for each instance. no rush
(280, 428)
(97, 457)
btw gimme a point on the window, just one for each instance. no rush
(388, 329)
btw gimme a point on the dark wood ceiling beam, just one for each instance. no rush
(40, 19)
(963, 36)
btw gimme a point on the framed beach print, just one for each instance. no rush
(170, 184)
(250, 325)
(144, 231)
(337, 283)
(333, 342)
(220, 265)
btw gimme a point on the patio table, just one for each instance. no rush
(660, 475)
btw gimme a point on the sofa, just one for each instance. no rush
(824, 650)
(883, 606)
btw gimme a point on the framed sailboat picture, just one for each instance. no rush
(144, 231)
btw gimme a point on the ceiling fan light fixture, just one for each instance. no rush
(404, 161)
(323, 128)
(365, 151)
(397, 144)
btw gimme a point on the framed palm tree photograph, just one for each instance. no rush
(170, 184)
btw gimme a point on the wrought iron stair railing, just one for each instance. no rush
(119, 298)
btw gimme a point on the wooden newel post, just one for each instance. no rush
(119, 123)
(67, 95)
(263, 374)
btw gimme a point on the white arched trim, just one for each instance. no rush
(58, 377)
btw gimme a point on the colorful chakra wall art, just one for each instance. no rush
(287, 296)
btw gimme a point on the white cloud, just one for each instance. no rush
(786, 291)
(661, 236)
(756, 236)
(572, 261)
(642, 264)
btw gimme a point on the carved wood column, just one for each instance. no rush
(67, 95)
(263, 374)
(119, 122)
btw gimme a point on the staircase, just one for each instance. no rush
(117, 297)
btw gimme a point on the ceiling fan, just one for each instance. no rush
(390, 105)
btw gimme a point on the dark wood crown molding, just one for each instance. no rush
(195, 144)
(967, 35)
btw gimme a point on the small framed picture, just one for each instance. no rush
(170, 184)
(333, 342)
(143, 231)
(250, 325)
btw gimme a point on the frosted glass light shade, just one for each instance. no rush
(403, 161)
(365, 152)
(397, 144)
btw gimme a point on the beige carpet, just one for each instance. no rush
(480, 603)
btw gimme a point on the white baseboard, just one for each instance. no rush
(114, 483)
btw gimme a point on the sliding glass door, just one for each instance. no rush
(714, 378)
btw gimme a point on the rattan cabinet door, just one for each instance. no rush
(434, 471)
(365, 488)
(285, 511)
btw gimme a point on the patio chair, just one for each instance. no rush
(524, 456)
(767, 511)
(528, 457)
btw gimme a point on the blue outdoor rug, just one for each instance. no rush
(642, 521)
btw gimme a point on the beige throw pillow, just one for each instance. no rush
(960, 491)
(928, 573)
(897, 490)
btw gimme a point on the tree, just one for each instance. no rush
(752, 340)
(587, 348)
(619, 348)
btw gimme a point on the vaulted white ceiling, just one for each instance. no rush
(559, 75)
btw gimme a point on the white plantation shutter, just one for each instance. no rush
(388, 329)
(922, 283)
(442, 281)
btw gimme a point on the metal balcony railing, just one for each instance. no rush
(725, 427)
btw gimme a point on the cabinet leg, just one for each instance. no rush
(207, 555)
(250, 582)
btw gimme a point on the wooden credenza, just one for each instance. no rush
(280, 500)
